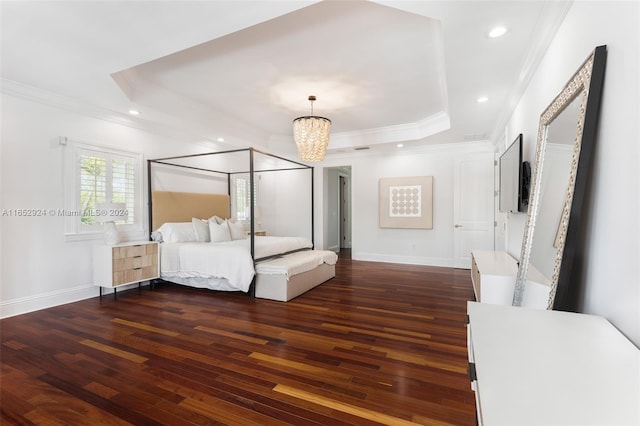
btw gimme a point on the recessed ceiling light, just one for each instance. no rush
(497, 32)
(482, 99)
(220, 139)
(400, 145)
(134, 112)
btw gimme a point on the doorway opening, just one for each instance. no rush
(338, 208)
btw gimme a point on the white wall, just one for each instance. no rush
(284, 198)
(412, 246)
(39, 269)
(168, 178)
(609, 254)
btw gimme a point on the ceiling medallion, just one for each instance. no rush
(311, 134)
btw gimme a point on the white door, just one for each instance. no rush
(472, 207)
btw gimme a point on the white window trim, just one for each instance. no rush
(72, 226)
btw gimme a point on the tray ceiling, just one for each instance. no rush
(383, 72)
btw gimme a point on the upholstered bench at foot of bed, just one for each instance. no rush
(291, 275)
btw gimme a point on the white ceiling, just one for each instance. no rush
(383, 72)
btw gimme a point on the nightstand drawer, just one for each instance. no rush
(134, 250)
(122, 264)
(134, 275)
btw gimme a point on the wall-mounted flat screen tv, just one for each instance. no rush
(511, 178)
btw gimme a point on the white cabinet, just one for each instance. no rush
(540, 367)
(493, 274)
(126, 263)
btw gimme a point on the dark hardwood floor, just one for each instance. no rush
(379, 344)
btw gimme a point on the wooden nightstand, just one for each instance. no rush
(258, 233)
(126, 263)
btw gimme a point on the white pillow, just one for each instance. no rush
(201, 229)
(217, 219)
(177, 232)
(237, 230)
(219, 232)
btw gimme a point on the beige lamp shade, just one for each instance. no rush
(109, 213)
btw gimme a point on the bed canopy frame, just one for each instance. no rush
(228, 163)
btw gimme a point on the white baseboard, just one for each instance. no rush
(36, 302)
(408, 260)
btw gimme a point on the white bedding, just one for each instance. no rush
(297, 263)
(225, 266)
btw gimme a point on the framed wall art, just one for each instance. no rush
(406, 202)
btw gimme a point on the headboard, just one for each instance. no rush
(169, 206)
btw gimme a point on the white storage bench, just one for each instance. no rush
(291, 275)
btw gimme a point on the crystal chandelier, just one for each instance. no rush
(311, 134)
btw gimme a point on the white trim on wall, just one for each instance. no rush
(406, 260)
(36, 302)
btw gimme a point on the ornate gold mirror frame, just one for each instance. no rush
(549, 242)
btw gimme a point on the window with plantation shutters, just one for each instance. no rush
(242, 198)
(106, 179)
(99, 175)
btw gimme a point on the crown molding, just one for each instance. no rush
(461, 148)
(389, 134)
(546, 34)
(56, 100)
(53, 99)
(377, 136)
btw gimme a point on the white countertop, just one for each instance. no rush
(539, 367)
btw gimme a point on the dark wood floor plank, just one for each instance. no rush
(379, 344)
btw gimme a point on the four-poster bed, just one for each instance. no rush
(203, 246)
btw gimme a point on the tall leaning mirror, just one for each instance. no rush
(566, 135)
